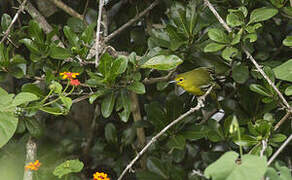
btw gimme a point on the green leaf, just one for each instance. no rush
(284, 71)
(227, 167)
(137, 87)
(177, 13)
(97, 94)
(105, 64)
(67, 102)
(31, 46)
(195, 132)
(5, 21)
(77, 25)
(110, 133)
(240, 73)
(56, 87)
(119, 65)
(142, 175)
(229, 52)
(107, 105)
(253, 28)
(283, 173)
(71, 36)
(88, 34)
(259, 89)
(3, 92)
(59, 52)
(252, 37)
(24, 97)
(234, 19)
(262, 14)
(154, 165)
(213, 47)
(35, 31)
(288, 91)
(177, 142)
(67, 167)
(8, 125)
(34, 127)
(236, 38)
(277, 138)
(287, 41)
(32, 88)
(126, 103)
(176, 39)
(218, 35)
(156, 115)
(163, 62)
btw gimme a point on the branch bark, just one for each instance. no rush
(160, 79)
(199, 105)
(67, 9)
(20, 9)
(279, 150)
(98, 32)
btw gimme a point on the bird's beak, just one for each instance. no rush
(173, 81)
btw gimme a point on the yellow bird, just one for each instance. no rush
(196, 81)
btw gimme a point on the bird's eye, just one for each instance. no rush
(180, 79)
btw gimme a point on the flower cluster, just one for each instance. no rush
(33, 166)
(71, 76)
(100, 176)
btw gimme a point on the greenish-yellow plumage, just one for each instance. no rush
(195, 81)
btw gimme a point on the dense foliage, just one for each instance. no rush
(87, 117)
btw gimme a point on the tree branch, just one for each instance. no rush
(249, 56)
(98, 32)
(31, 151)
(287, 115)
(132, 21)
(159, 79)
(20, 9)
(199, 105)
(67, 9)
(279, 150)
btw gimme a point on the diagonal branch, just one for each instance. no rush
(132, 21)
(67, 9)
(249, 56)
(279, 150)
(160, 79)
(199, 105)
(20, 9)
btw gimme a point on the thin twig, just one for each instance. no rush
(211, 7)
(280, 149)
(67, 9)
(199, 105)
(287, 115)
(31, 151)
(20, 9)
(159, 79)
(81, 98)
(132, 21)
(98, 32)
(264, 144)
(249, 56)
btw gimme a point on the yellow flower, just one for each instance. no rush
(100, 176)
(68, 75)
(33, 166)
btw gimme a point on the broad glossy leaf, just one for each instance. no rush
(235, 19)
(163, 62)
(287, 41)
(177, 142)
(8, 125)
(67, 102)
(137, 87)
(218, 35)
(262, 14)
(240, 73)
(156, 115)
(119, 65)
(214, 47)
(67, 167)
(35, 32)
(5, 21)
(229, 52)
(252, 37)
(227, 168)
(259, 89)
(59, 52)
(32, 88)
(284, 71)
(126, 104)
(88, 34)
(24, 97)
(105, 64)
(34, 127)
(107, 105)
(176, 39)
(155, 165)
(71, 36)
(31, 46)
(288, 91)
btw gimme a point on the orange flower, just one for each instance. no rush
(100, 176)
(68, 75)
(33, 166)
(74, 82)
